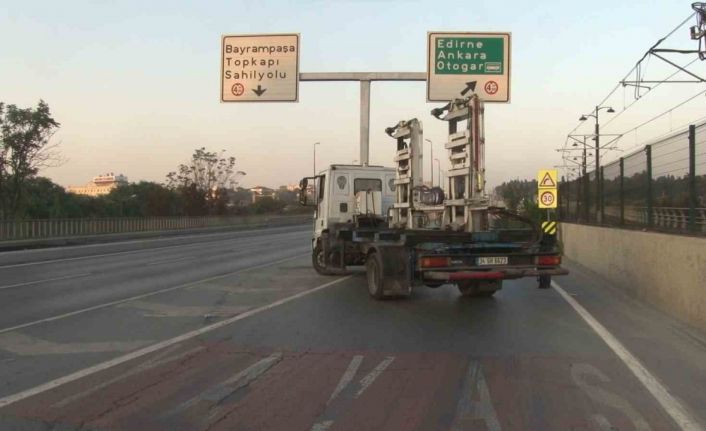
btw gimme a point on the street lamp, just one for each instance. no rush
(315, 144)
(598, 152)
(438, 170)
(431, 161)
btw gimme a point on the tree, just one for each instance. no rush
(204, 181)
(24, 149)
(267, 205)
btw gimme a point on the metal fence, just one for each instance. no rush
(57, 228)
(662, 187)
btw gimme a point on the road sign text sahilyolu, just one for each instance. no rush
(461, 55)
(260, 68)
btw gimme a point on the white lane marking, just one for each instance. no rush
(370, 378)
(118, 253)
(671, 405)
(153, 309)
(235, 383)
(29, 283)
(475, 403)
(161, 262)
(144, 295)
(580, 371)
(10, 399)
(324, 420)
(222, 390)
(155, 362)
(602, 423)
(346, 377)
(24, 345)
(322, 426)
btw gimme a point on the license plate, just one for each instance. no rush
(492, 260)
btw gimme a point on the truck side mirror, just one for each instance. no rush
(302, 191)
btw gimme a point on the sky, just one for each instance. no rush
(135, 84)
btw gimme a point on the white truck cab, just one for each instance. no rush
(342, 192)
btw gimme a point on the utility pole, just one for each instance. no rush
(598, 168)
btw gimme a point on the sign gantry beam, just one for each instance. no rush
(365, 78)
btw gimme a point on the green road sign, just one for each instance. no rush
(460, 64)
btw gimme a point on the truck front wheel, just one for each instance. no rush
(373, 269)
(479, 289)
(318, 260)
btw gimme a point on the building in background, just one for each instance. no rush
(100, 185)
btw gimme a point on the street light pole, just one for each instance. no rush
(597, 138)
(315, 144)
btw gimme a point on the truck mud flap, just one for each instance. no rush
(396, 271)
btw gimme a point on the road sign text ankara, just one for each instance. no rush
(260, 68)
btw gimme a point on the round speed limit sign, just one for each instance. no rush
(547, 199)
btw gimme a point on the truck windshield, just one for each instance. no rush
(367, 184)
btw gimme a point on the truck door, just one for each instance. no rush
(321, 221)
(341, 204)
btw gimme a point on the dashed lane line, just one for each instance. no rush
(29, 283)
(669, 403)
(144, 295)
(11, 399)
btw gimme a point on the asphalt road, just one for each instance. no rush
(235, 331)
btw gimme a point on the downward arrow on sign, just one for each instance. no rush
(470, 86)
(259, 90)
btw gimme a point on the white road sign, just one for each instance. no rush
(459, 64)
(260, 68)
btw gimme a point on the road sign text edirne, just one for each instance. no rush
(260, 68)
(459, 64)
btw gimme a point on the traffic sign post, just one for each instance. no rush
(260, 68)
(547, 188)
(459, 64)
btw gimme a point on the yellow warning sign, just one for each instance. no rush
(547, 198)
(546, 179)
(549, 227)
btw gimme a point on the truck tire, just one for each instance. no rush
(319, 262)
(479, 289)
(545, 281)
(373, 270)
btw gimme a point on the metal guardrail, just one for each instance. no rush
(665, 217)
(58, 228)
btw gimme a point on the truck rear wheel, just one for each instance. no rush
(545, 281)
(479, 289)
(373, 270)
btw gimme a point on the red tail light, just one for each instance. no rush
(549, 260)
(434, 262)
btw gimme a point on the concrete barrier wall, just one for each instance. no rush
(667, 271)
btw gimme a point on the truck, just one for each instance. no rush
(409, 234)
